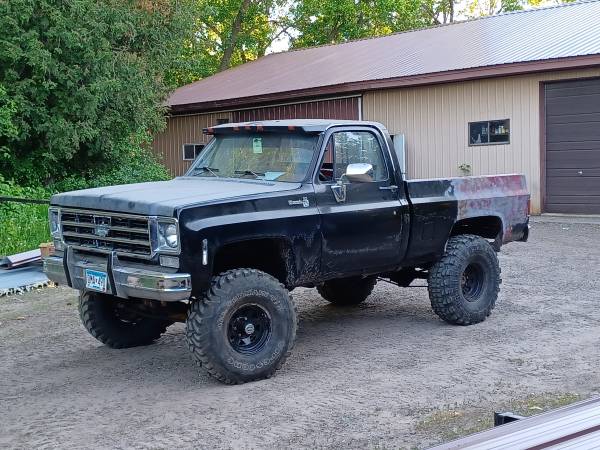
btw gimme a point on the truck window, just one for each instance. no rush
(265, 156)
(348, 147)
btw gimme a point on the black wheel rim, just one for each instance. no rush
(249, 329)
(472, 282)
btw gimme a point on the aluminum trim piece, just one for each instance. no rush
(559, 429)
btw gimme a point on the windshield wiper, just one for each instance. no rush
(212, 170)
(249, 172)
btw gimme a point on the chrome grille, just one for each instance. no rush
(107, 232)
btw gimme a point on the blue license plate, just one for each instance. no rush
(95, 280)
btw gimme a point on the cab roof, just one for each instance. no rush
(305, 125)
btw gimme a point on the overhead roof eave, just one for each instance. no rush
(512, 69)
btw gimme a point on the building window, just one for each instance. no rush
(489, 132)
(222, 121)
(191, 151)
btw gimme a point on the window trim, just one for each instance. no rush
(196, 144)
(485, 144)
(329, 134)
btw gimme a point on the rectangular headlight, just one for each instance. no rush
(54, 218)
(167, 236)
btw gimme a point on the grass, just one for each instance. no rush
(22, 227)
(449, 424)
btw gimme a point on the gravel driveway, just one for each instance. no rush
(385, 374)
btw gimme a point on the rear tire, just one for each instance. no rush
(347, 291)
(464, 284)
(243, 328)
(114, 327)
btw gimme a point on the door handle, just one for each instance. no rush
(388, 188)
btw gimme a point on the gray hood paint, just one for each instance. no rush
(164, 198)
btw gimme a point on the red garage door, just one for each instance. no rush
(573, 147)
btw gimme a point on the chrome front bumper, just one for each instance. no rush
(123, 281)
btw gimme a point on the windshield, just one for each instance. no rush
(263, 156)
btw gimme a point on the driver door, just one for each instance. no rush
(361, 231)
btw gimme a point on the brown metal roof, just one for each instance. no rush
(552, 38)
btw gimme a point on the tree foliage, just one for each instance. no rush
(478, 8)
(84, 82)
(227, 33)
(326, 22)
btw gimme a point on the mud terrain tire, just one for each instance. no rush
(243, 328)
(103, 320)
(464, 284)
(347, 291)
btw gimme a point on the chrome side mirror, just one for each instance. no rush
(359, 173)
(355, 173)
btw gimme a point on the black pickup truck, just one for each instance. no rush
(268, 207)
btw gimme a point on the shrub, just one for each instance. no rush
(135, 164)
(23, 226)
(80, 80)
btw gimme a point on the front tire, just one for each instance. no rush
(464, 284)
(115, 327)
(243, 328)
(347, 291)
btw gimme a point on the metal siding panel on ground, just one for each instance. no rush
(554, 429)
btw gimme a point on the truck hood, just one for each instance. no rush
(163, 198)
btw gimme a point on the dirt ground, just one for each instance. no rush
(386, 374)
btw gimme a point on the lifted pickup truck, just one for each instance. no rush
(268, 207)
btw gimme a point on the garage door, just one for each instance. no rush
(573, 147)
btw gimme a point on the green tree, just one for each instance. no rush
(478, 8)
(8, 130)
(438, 12)
(227, 33)
(320, 22)
(84, 80)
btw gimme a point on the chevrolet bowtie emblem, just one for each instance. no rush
(101, 230)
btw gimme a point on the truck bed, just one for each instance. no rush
(437, 204)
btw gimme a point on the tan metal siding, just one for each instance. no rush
(434, 121)
(339, 108)
(168, 145)
(187, 129)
